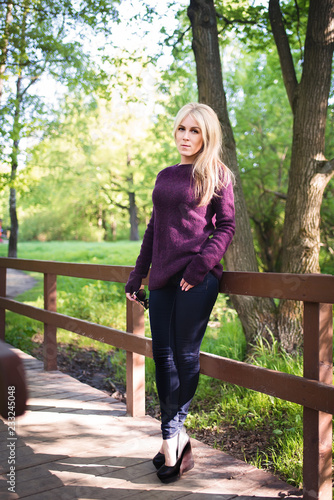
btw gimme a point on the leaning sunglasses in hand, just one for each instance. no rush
(140, 297)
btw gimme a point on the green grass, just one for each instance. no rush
(117, 253)
(246, 412)
(88, 299)
(218, 408)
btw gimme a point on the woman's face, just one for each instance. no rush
(189, 139)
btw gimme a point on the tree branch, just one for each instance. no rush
(326, 168)
(118, 185)
(279, 195)
(284, 52)
(298, 29)
(119, 205)
(236, 20)
(113, 202)
(179, 39)
(4, 43)
(32, 81)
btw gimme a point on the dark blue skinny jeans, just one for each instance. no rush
(178, 322)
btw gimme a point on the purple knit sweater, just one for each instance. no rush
(180, 235)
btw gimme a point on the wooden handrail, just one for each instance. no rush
(314, 391)
(303, 287)
(306, 392)
(13, 385)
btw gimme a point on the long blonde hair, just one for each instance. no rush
(209, 172)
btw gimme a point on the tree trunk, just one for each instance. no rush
(14, 226)
(134, 229)
(4, 44)
(257, 315)
(16, 134)
(113, 228)
(309, 172)
(134, 226)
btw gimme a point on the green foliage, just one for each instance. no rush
(49, 38)
(250, 24)
(97, 302)
(224, 335)
(20, 330)
(95, 153)
(327, 207)
(88, 166)
(41, 41)
(262, 127)
(79, 251)
(92, 300)
(247, 21)
(243, 410)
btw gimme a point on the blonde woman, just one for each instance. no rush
(191, 227)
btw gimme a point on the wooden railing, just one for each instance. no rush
(314, 391)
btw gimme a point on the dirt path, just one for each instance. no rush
(18, 282)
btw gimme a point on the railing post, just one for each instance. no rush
(135, 363)
(3, 274)
(318, 365)
(50, 331)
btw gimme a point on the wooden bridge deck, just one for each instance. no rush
(76, 442)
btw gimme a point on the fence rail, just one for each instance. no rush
(314, 391)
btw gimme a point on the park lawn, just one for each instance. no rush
(222, 414)
(87, 299)
(117, 253)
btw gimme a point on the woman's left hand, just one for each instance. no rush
(185, 286)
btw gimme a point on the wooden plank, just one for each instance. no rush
(101, 272)
(282, 385)
(318, 365)
(312, 289)
(13, 387)
(304, 287)
(50, 331)
(111, 336)
(285, 386)
(135, 363)
(3, 273)
(78, 455)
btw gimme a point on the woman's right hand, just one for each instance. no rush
(130, 297)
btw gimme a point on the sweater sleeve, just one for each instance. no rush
(216, 246)
(143, 261)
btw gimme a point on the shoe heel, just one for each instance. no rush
(187, 460)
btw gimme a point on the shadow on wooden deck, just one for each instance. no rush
(76, 442)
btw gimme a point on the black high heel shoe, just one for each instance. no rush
(183, 464)
(158, 460)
